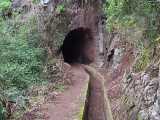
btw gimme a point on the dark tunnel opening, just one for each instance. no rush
(79, 46)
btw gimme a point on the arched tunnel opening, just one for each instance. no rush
(79, 46)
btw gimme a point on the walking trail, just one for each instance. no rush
(68, 104)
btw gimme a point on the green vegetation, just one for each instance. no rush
(60, 8)
(80, 115)
(139, 117)
(5, 4)
(133, 17)
(143, 61)
(2, 112)
(21, 61)
(59, 87)
(35, 1)
(128, 13)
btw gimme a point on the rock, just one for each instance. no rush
(117, 57)
(153, 70)
(144, 90)
(16, 4)
(51, 97)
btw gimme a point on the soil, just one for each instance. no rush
(67, 104)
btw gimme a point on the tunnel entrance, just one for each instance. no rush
(79, 46)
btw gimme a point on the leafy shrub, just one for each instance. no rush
(60, 8)
(143, 60)
(35, 1)
(21, 64)
(5, 4)
(21, 60)
(127, 13)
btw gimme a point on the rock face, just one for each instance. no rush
(143, 91)
(22, 5)
(138, 94)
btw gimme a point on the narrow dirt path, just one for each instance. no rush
(67, 104)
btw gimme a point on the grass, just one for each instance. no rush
(143, 61)
(60, 87)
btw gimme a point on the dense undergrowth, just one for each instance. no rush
(21, 64)
(5, 5)
(28, 70)
(21, 59)
(139, 21)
